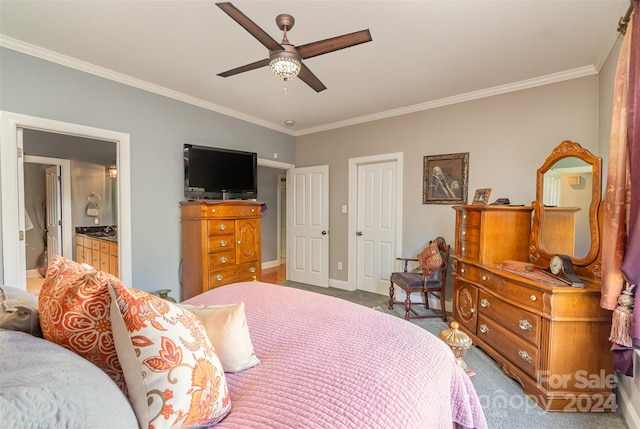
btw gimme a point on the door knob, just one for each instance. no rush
(324, 233)
(359, 233)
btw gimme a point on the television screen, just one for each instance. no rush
(219, 173)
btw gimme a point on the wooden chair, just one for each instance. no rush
(429, 282)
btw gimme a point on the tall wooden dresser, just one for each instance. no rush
(550, 337)
(221, 244)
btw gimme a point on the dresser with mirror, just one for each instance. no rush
(545, 331)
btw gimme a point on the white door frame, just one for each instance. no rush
(353, 203)
(13, 253)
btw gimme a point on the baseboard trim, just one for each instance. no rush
(339, 284)
(270, 264)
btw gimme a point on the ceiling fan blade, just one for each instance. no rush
(246, 23)
(333, 44)
(310, 79)
(245, 68)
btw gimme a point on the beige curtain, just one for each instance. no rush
(617, 195)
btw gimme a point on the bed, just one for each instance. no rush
(323, 363)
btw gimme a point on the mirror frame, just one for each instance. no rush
(588, 265)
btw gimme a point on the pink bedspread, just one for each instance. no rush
(329, 363)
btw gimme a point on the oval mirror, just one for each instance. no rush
(568, 196)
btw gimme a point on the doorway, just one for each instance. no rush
(375, 226)
(12, 126)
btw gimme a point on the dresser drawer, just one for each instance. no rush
(223, 210)
(469, 233)
(104, 246)
(221, 277)
(470, 217)
(518, 293)
(517, 350)
(222, 259)
(248, 271)
(220, 227)
(221, 243)
(519, 321)
(468, 250)
(468, 272)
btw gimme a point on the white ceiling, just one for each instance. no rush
(424, 54)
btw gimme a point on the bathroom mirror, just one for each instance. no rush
(566, 210)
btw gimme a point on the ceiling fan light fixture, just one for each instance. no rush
(285, 66)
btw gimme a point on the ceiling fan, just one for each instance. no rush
(285, 59)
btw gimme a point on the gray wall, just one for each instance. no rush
(507, 136)
(158, 127)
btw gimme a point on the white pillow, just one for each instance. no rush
(227, 329)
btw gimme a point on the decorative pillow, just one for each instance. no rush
(19, 311)
(430, 257)
(74, 305)
(173, 375)
(227, 329)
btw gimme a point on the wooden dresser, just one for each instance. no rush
(549, 337)
(220, 244)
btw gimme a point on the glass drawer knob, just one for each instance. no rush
(524, 356)
(485, 303)
(484, 329)
(533, 298)
(525, 325)
(222, 227)
(464, 232)
(222, 259)
(462, 270)
(222, 243)
(252, 269)
(484, 278)
(218, 277)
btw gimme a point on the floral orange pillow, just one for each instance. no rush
(74, 312)
(430, 258)
(173, 374)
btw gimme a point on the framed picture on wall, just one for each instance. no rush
(444, 178)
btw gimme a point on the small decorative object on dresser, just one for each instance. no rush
(550, 337)
(481, 196)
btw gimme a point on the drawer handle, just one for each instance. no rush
(217, 277)
(462, 270)
(485, 303)
(464, 232)
(533, 298)
(222, 243)
(239, 242)
(464, 216)
(252, 269)
(525, 325)
(484, 278)
(524, 356)
(222, 226)
(484, 329)
(222, 260)
(213, 210)
(253, 210)
(472, 310)
(464, 249)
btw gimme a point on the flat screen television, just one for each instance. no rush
(215, 173)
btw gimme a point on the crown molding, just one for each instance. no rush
(54, 57)
(469, 96)
(83, 66)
